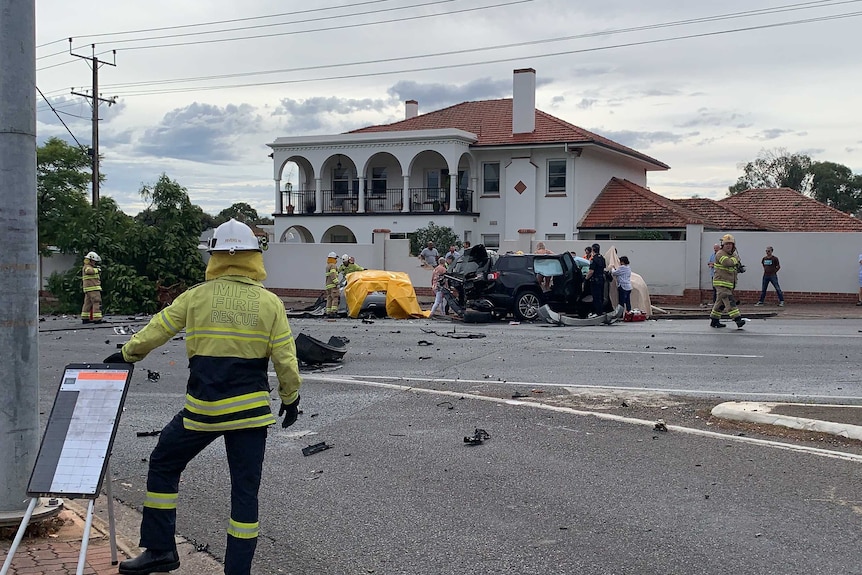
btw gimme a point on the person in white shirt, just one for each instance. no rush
(623, 274)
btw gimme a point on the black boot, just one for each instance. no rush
(740, 323)
(714, 322)
(151, 561)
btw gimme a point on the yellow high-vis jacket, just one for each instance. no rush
(234, 326)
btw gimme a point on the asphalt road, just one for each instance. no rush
(551, 490)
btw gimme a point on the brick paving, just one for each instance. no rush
(57, 553)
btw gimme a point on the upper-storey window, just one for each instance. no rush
(556, 177)
(491, 179)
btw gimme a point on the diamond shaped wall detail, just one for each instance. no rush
(520, 187)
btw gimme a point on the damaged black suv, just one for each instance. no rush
(511, 283)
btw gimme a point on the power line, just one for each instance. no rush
(431, 3)
(61, 119)
(676, 23)
(327, 29)
(496, 61)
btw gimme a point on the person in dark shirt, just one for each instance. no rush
(770, 276)
(596, 280)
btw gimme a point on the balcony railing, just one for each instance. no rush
(420, 200)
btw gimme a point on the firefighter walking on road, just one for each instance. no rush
(234, 327)
(727, 265)
(332, 297)
(91, 312)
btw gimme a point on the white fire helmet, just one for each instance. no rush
(93, 257)
(233, 236)
(332, 256)
(344, 258)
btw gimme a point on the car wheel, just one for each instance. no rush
(527, 306)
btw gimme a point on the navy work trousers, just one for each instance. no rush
(177, 446)
(774, 281)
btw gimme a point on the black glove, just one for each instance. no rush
(290, 411)
(115, 358)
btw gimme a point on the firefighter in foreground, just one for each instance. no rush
(727, 265)
(332, 296)
(234, 326)
(92, 284)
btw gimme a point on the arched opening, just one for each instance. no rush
(338, 235)
(296, 235)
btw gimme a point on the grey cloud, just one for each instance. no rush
(708, 117)
(434, 96)
(201, 132)
(813, 152)
(639, 140)
(586, 103)
(771, 134)
(320, 114)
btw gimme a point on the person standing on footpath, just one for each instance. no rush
(331, 285)
(438, 286)
(234, 326)
(624, 282)
(859, 301)
(711, 265)
(429, 255)
(91, 312)
(727, 265)
(596, 280)
(770, 276)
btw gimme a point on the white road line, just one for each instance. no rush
(599, 415)
(654, 352)
(796, 397)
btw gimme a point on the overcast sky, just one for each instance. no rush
(202, 87)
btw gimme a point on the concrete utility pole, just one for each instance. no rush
(94, 148)
(19, 276)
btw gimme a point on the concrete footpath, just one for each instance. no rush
(57, 552)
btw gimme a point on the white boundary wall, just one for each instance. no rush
(810, 262)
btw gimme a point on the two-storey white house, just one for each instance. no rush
(487, 169)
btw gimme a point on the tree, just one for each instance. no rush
(836, 186)
(827, 182)
(775, 169)
(62, 177)
(168, 236)
(442, 236)
(240, 211)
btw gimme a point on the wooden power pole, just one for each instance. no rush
(96, 97)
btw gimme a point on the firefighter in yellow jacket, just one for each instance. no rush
(234, 327)
(727, 265)
(332, 296)
(92, 284)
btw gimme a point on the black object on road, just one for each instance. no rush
(316, 448)
(477, 438)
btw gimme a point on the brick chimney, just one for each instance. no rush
(524, 101)
(411, 109)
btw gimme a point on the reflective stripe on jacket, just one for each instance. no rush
(90, 278)
(331, 276)
(725, 269)
(233, 327)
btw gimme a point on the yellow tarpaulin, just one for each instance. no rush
(401, 302)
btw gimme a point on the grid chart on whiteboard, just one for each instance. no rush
(79, 434)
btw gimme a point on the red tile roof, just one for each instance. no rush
(724, 216)
(491, 121)
(625, 205)
(789, 211)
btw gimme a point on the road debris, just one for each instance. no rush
(153, 375)
(455, 335)
(477, 438)
(660, 425)
(315, 448)
(152, 433)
